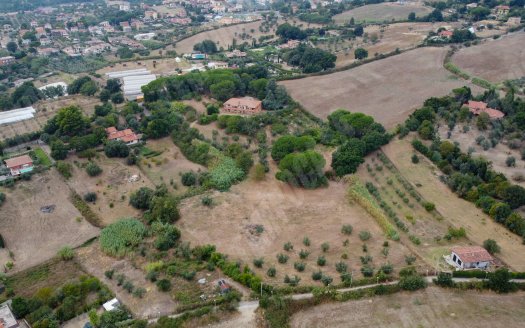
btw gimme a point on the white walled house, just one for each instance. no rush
(470, 257)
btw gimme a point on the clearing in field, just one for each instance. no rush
(32, 235)
(383, 12)
(164, 66)
(456, 211)
(388, 89)
(113, 186)
(224, 36)
(255, 220)
(494, 60)
(432, 307)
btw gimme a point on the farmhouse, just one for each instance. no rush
(245, 105)
(111, 305)
(470, 257)
(7, 60)
(478, 107)
(502, 10)
(127, 136)
(446, 34)
(19, 165)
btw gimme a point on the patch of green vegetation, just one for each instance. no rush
(42, 157)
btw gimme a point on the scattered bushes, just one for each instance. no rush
(66, 253)
(92, 169)
(120, 237)
(491, 246)
(347, 229)
(90, 197)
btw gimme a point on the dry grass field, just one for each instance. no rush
(162, 67)
(168, 166)
(388, 89)
(46, 110)
(111, 186)
(286, 214)
(223, 36)
(494, 60)
(432, 307)
(382, 12)
(456, 211)
(34, 236)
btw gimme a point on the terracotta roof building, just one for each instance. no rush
(478, 107)
(127, 136)
(19, 165)
(471, 257)
(245, 105)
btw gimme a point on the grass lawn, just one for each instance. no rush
(42, 157)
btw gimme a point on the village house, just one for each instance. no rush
(478, 107)
(235, 53)
(151, 15)
(291, 44)
(7, 319)
(127, 136)
(470, 257)
(216, 65)
(19, 165)
(502, 10)
(7, 60)
(245, 105)
(445, 34)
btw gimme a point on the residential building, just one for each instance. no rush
(502, 10)
(151, 15)
(245, 105)
(478, 107)
(7, 60)
(470, 257)
(291, 44)
(111, 305)
(216, 65)
(127, 136)
(235, 53)
(446, 34)
(19, 165)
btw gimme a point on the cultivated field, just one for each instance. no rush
(163, 67)
(382, 12)
(496, 155)
(168, 166)
(286, 214)
(494, 60)
(46, 110)
(432, 307)
(456, 211)
(388, 89)
(112, 186)
(223, 36)
(34, 236)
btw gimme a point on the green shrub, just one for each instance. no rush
(299, 266)
(412, 282)
(64, 169)
(387, 268)
(429, 206)
(288, 246)
(367, 270)
(90, 197)
(303, 254)
(2, 198)
(325, 247)
(306, 241)
(282, 258)
(271, 272)
(341, 267)
(163, 285)
(410, 259)
(66, 253)
(364, 235)
(444, 280)
(326, 280)
(347, 229)
(491, 246)
(258, 262)
(139, 292)
(317, 275)
(92, 169)
(120, 237)
(109, 274)
(321, 261)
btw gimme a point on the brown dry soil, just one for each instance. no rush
(111, 186)
(432, 307)
(163, 67)
(286, 214)
(34, 236)
(458, 212)
(154, 302)
(494, 60)
(382, 12)
(388, 89)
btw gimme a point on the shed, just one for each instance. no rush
(111, 305)
(471, 257)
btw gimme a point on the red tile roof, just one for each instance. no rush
(125, 135)
(446, 33)
(18, 161)
(478, 107)
(245, 101)
(111, 129)
(471, 254)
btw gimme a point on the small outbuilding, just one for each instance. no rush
(470, 257)
(111, 305)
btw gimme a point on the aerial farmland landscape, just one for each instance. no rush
(262, 164)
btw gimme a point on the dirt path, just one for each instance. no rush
(458, 212)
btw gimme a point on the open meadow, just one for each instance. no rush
(431, 307)
(456, 211)
(34, 236)
(255, 220)
(388, 89)
(382, 12)
(494, 60)
(161, 67)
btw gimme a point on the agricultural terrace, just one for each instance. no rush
(256, 219)
(164, 66)
(382, 12)
(376, 88)
(32, 235)
(494, 60)
(456, 211)
(424, 232)
(431, 307)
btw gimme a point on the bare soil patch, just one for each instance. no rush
(287, 215)
(432, 307)
(163, 67)
(494, 60)
(387, 89)
(383, 12)
(112, 186)
(456, 211)
(34, 236)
